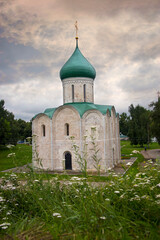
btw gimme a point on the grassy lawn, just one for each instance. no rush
(18, 155)
(127, 148)
(123, 207)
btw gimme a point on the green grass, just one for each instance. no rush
(124, 208)
(23, 155)
(127, 148)
(46, 206)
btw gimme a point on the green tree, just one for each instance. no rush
(155, 118)
(139, 125)
(5, 128)
(12, 130)
(24, 129)
(124, 123)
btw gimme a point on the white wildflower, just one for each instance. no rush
(129, 164)
(135, 151)
(158, 196)
(116, 191)
(10, 146)
(13, 175)
(36, 180)
(103, 217)
(136, 197)
(122, 196)
(5, 225)
(2, 199)
(143, 197)
(107, 199)
(135, 185)
(158, 185)
(75, 179)
(9, 212)
(58, 215)
(11, 154)
(40, 198)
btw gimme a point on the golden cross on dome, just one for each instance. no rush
(76, 26)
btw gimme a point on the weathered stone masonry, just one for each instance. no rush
(77, 117)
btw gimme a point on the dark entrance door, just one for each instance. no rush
(68, 161)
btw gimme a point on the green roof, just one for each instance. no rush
(81, 108)
(77, 66)
(49, 112)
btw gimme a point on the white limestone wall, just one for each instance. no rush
(78, 90)
(93, 125)
(41, 144)
(112, 139)
(108, 143)
(51, 148)
(61, 142)
(118, 139)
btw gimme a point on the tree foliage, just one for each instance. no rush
(139, 125)
(5, 128)
(12, 130)
(124, 123)
(155, 119)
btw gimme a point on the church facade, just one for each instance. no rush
(78, 121)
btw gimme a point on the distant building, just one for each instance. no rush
(123, 137)
(78, 116)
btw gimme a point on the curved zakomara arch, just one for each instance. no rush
(59, 109)
(113, 112)
(39, 115)
(36, 131)
(108, 114)
(91, 111)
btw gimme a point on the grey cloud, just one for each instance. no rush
(145, 79)
(149, 9)
(147, 52)
(122, 43)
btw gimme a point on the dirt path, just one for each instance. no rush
(151, 154)
(119, 169)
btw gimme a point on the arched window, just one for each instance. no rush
(84, 92)
(43, 130)
(72, 93)
(67, 129)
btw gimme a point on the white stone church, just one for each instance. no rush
(79, 116)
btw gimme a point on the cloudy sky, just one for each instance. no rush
(120, 38)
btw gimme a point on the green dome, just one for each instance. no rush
(77, 66)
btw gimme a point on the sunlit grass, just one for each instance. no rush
(127, 150)
(15, 156)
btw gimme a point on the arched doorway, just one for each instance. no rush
(68, 161)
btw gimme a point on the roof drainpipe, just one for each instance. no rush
(104, 125)
(51, 144)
